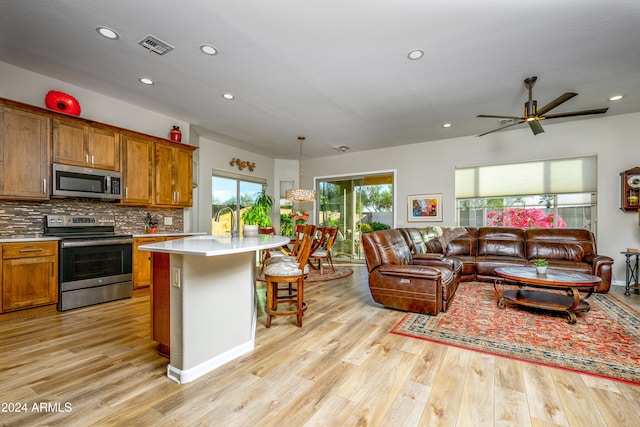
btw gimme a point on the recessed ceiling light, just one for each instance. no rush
(228, 96)
(107, 33)
(146, 80)
(616, 98)
(415, 54)
(208, 49)
(446, 125)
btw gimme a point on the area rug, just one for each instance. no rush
(315, 276)
(605, 341)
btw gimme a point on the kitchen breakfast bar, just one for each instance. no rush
(212, 300)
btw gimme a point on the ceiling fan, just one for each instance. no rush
(532, 115)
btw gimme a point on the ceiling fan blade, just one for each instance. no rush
(535, 126)
(501, 128)
(576, 113)
(500, 117)
(553, 104)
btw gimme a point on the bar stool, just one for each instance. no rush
(290, 273)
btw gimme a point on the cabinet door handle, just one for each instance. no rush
(126, 192)
(92, 160)
(86, 158)
(44, 186)
(30, 250)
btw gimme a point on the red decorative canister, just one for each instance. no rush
(175, 134)
(62, 102)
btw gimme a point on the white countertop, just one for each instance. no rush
(28, 239)
(216, 245)
(169, 234)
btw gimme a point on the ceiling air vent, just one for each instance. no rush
(342, 148)
(155, 45)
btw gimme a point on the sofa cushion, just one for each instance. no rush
(501, 241)
(486, 264)
(560, 244)
(462, 242)
(389, 247)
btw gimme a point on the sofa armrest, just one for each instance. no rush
(597, 259)
(601, 266)
(415, 271)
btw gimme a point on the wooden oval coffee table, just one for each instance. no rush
(569, 302)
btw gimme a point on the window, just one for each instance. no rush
(553, 193)
(233, 191)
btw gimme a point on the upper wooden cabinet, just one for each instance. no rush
(80, 144)
(156, 171)
(173, 174)
(24, 154)
(138, 170)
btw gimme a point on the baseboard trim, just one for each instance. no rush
(187, 375)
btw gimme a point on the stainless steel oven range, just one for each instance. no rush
(95, 263)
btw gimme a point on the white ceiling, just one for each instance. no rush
(335, 71)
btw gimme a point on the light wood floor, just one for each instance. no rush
(98, 366)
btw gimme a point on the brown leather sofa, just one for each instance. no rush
(481, 250)
(397, 280)
(411, 268)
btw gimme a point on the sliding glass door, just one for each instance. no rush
(235, 194)
(356, 205)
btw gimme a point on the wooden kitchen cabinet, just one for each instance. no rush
(138, 170)
(29, 275)
(80, 144)
(142, 261)
(24, 154)
(173, 175)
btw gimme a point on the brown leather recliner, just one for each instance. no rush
(396, 281)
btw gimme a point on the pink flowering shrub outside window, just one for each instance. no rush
(523, 218)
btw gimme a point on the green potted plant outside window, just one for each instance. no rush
(258, 214)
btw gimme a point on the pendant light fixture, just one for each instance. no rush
(300, 194)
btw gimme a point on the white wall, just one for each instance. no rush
(430, 168)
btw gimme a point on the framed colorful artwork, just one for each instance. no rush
(424, 207)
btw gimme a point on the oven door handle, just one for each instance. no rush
(98, 242)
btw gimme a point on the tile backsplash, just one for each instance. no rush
(26, 219)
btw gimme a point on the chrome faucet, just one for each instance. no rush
(234, 231)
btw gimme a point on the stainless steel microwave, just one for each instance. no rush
(74, 181)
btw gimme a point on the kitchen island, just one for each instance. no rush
(213, 303)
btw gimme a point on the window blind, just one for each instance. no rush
(554, 176)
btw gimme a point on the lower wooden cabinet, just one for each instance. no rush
(142, 261)
(142, 277)
(29, 275)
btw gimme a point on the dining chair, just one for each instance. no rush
(323, 251)
(290, 273)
